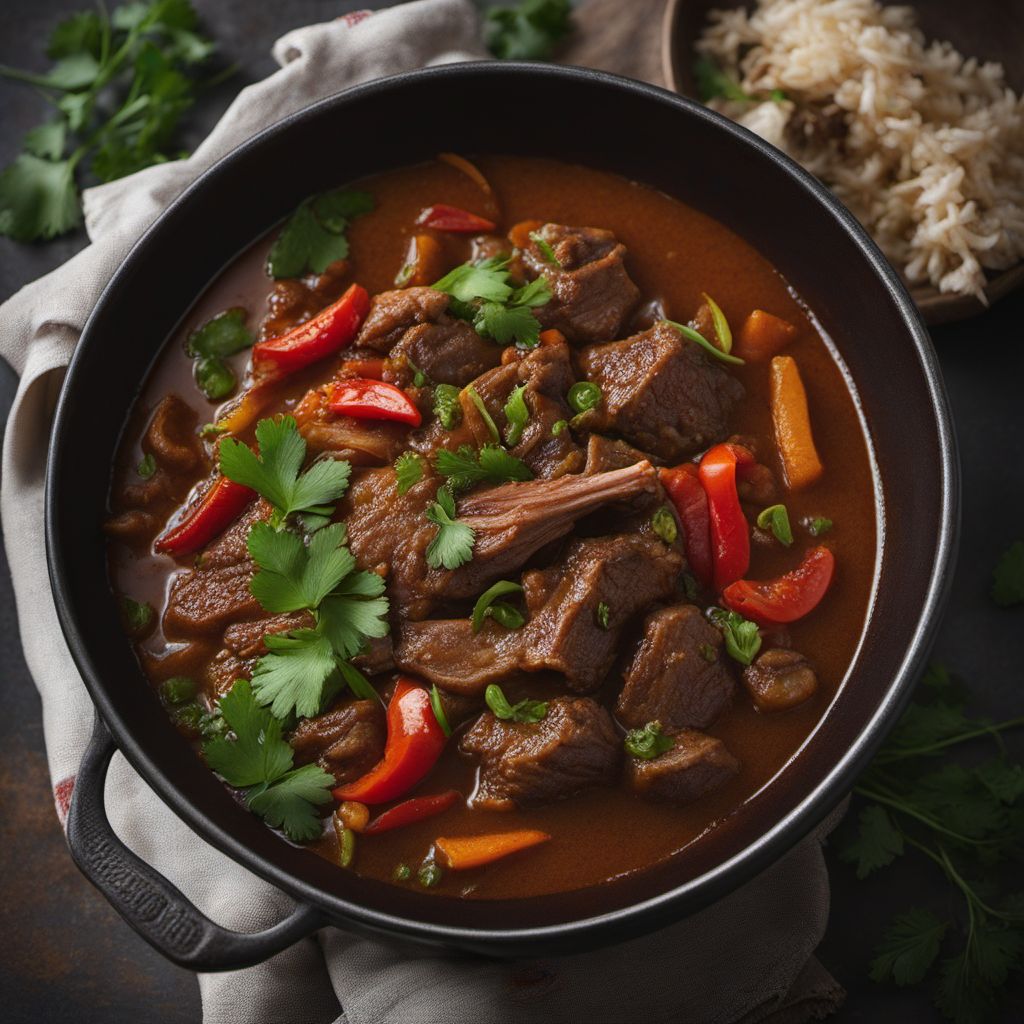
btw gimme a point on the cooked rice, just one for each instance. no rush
(925, 147)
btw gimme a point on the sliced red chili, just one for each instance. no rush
(373, 400)
(450, 218)
(331, 329)
(730, 532)
(222, 504)
(788, 598)
(419, 808)
(682, 483)
(415, 741)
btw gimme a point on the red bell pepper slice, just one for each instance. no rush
(221, 506)
(788, 598)
(330, 330)
(415, 741)
(730, 532)
(682, 483)
(419, 808)
(451, 218)
(373, 400)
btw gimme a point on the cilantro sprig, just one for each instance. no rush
(119, 85)
(209, 345)
(452, 545)
(491, 464)
(314, 236)
(408, 471)
(528, 31)
(253, 757)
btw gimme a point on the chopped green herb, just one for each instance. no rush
(438, 708)
(696, 336)
(147, 466)
(709, 653)
(742, 639)
(446, 405)
(722, 330)
(506, 615)
(648, 742)
(517, 416)
(478, 402)
(357, 683)
(419, 378)
(487, 280)
(209, 345)
(467, 467)
(714, 83)
(819, 525)
(584, 395)
(452, 546)
(776, 519)
(408, 471)
(528, 711)
(402, 873)
(664, 524)
(528, 31)
(484, 607)
(429, 874)
(274, 472)
(545, 248)
(314, 236)
(138, 615)
(346, 842)
(211, 430)
(257, 760)
(602, 614)
(688, 584)
(1008, 578)
(558, 426)
(178, 690)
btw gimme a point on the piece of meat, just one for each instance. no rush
(346, 741)
(626, 573)
(447, 352)
(171, 436)
(591, 293)
(511, 522)
(293, 300)
(376, 657)
(676, 676)
(606, 453)
(661, 392)
(780, 679)
(362, 443)
(393, 313)
(575, 746)
(695, 765)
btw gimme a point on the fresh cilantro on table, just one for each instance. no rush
(452, 545)
(742, 639)
(492, 464)
(274, 472)
(254, 758)
(526, 710)
(483, 293)
(528, 31)
(517, 415)
(648, 742)
(314, 236)
(119, 86)
(966, 820)
(1008, 578)
(209, 345)
(408, 471)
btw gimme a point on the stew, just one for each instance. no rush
(496, 566)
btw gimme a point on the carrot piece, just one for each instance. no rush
(763, 335)
(519, 235)
(552, 336)
(462, 852)
(424, 262)
(792, 423)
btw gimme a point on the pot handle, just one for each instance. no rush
(152, 905)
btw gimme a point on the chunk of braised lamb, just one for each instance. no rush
(393, 313)
(242, 646)
(780, 679)
(606, 453)
(571, 633)
(676, 676)
(592, 295)
(346, 741)
(695, 765)
(661, 392)
(376, 657)
(574, 747)
(361, 443)
(447, 352)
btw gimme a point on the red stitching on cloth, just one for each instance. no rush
(62, 798)
(354, 17)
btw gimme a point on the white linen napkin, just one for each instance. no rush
(749, 958)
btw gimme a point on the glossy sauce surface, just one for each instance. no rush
(675, 255)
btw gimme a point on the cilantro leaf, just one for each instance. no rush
(647, 743)
(544, 246)
(293, 676)
(314, 236)
(534, 293)
(487, 281)
(877, 844)
(517, 415)
(274, 473)
(355, 610)
(713, 82)
(290, 802)
(47, 140)
(223, 335)
(79, 33)
(1008, 578)
(408, 471)
(742, 639)
(293, 577)
(452, 545)
(257, 754)
(909, 947)
(528, 31)
(507, 325)
(526, 710)
(38, 198)
(492, 463)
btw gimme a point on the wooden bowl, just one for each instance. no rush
(991, 30)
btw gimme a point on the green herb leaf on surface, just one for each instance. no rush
(446, 405)
(408, 471)
(527, 711)
(664, 524)
(138, 615)
(314, 236)
(528, 31)
(909, 948)
(517, 415)
(714, 83)
(293, 676)
(544, 246)
(602, 614)
(742, 639)
(491, 463)
(775, 518)
(648, 742)
(478, 403)
(452, 545)
(818, 526)
(485, 604)
(147, 466)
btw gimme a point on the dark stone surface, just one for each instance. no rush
(64, 954)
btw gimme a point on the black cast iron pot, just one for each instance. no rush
(576, 115)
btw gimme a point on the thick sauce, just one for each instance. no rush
(675, 254)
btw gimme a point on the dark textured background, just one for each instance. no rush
(65, 955)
